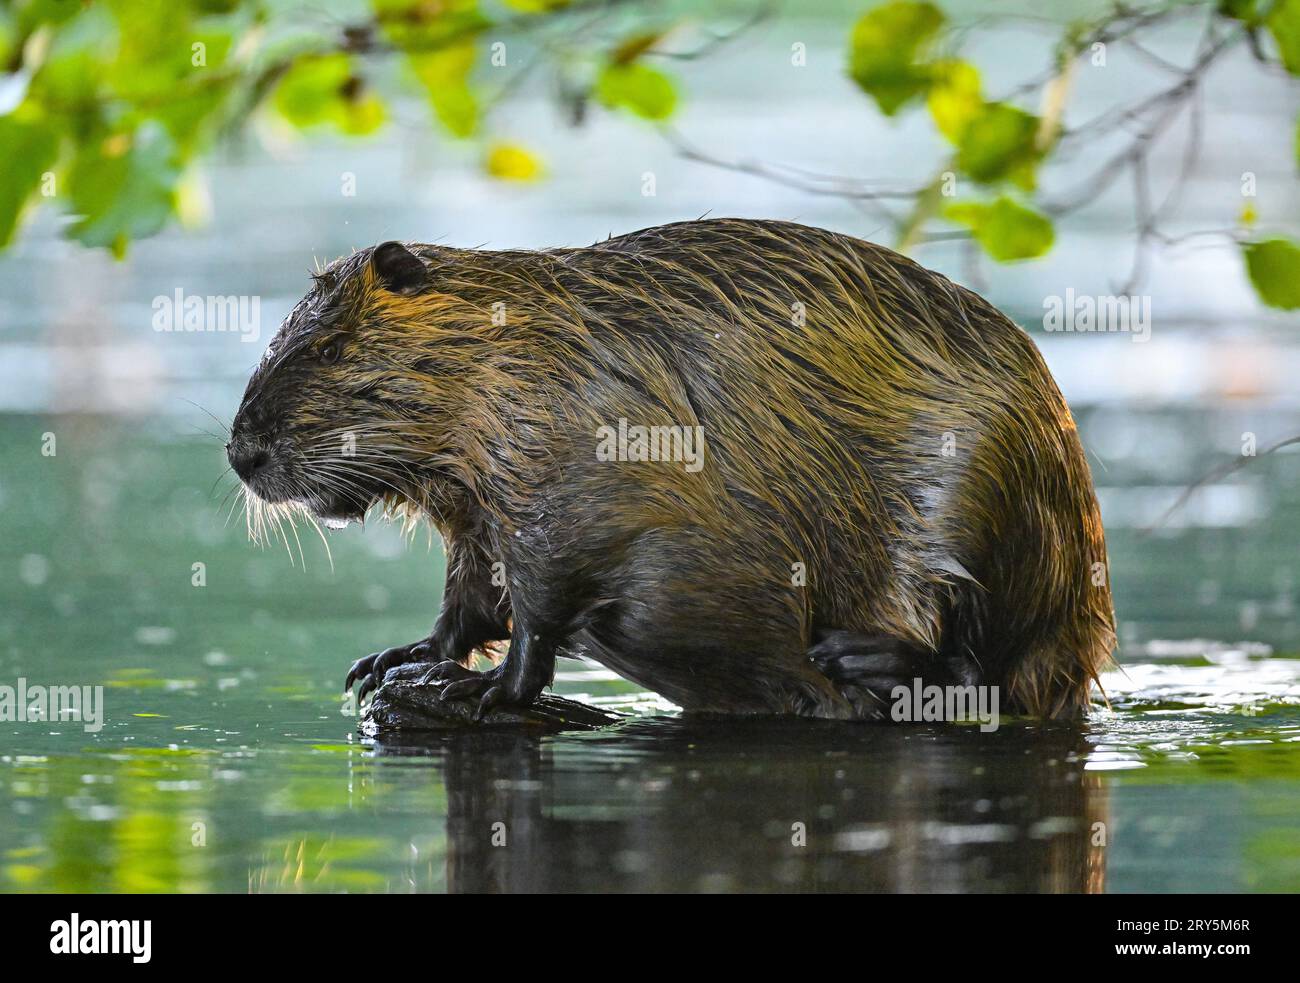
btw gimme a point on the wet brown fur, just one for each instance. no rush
(824, 436)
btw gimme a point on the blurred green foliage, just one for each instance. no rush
(105, 105)
(1274, 268)
(898, 56)
(888, 53)
(641, 89)
(1005, 229)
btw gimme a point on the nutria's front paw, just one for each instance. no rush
(498, 687)
(371, 669)
(446, 672)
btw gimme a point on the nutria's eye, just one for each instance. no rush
(329, 354)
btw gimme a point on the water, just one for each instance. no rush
(227, 759)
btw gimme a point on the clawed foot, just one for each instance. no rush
(868, 668)
(371, 669)
(495, 688)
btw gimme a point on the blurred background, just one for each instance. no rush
(224, 723)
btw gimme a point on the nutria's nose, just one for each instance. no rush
(247, 460)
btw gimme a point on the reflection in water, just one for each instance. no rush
(675, 804)
(1187, 784)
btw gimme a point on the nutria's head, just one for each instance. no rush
(348, 406)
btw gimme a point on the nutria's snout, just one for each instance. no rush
(252, 449)
(247, 459)
(261, 465)
(271, 471)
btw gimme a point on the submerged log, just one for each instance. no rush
(403, 703)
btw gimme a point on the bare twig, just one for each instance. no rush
(1217, 474)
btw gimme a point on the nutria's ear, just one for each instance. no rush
(397, 268)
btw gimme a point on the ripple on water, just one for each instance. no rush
(1218, 710)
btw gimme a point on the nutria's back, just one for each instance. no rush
(877, 416)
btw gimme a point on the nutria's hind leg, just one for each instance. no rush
(867, 668)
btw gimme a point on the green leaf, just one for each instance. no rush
(998, 143)
(537, 6)
(1244, 10)
(511, 162)
(1274, 268)
(322, 89)
(29, 148)
(1284, 23)
(887, 49)
(33, 14)
(445, 75)
(361, 113)
(124, 187)
(1006, 230)
(155, 52)
(71, 83)
(308, 90)
(955, 98)
(638, 88)
(441, 44)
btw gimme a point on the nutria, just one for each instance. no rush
(889, 484)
